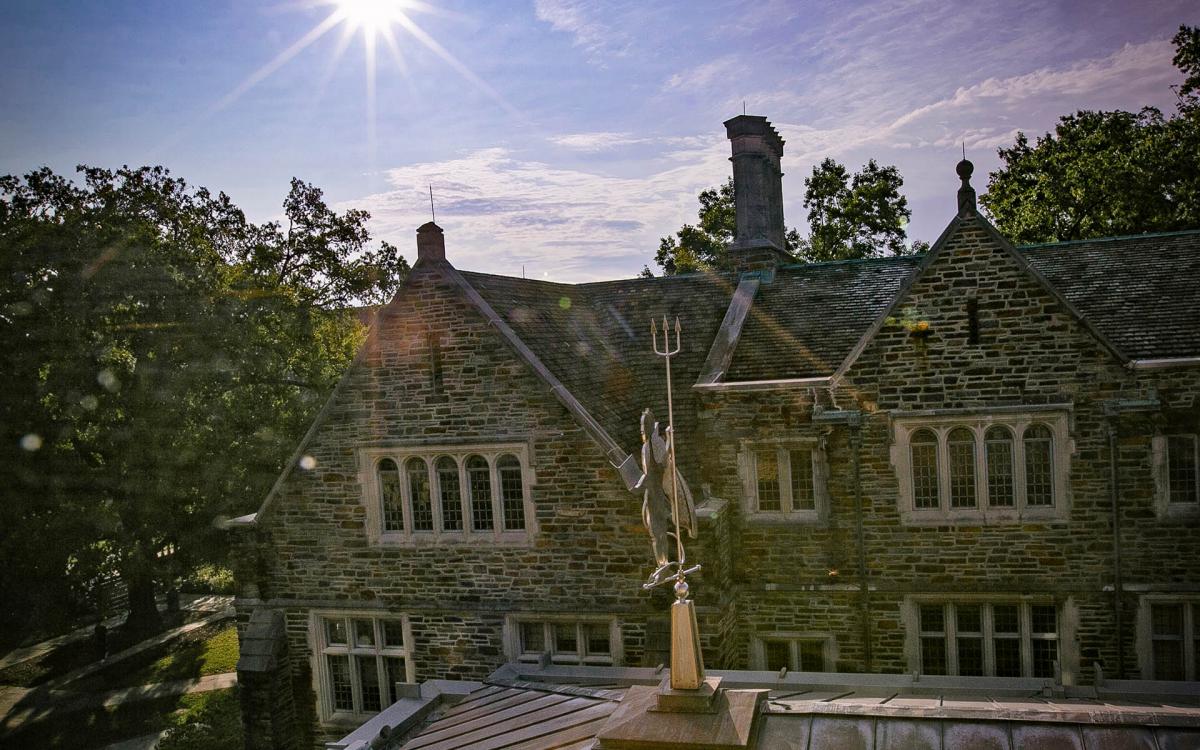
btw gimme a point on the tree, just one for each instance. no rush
(705, 246)
(850, 216)
(163, 355)
(1106, 173)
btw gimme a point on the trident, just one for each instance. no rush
(666, 352)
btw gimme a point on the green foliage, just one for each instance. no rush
(162, 354)
(850, 216)
(208, 578)
(211, 721)
(859, 216)
(1106, 173)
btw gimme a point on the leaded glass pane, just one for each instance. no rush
(451, 494)
(933, 618)
(1008, 656)
(933, 655)
(368, 680)
(393, 634)
(339, 679)
(803, 494)
(767, 466)
(1000, 467)
(1181, 468)
(512, 492)
(1039, 466)
(566, 640)
(389, 491)
(961, 446)
(1045, 653)
(418, 490)
(335, 632)
(925, 469)
(479, 484)
(970, 656)
(969, 618)
(597, 635)
(396, 672)
(533, 637)
(364, 633)
(1005, 619)
(812, 655)
(778, 654)
(1044, 619)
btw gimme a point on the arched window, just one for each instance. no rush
(512, 492)
(999, 443)
(479, 491)
(924, 446)
(961, 447)
(389, 495)
(1039, 466)
(451, 494)
(418, 493)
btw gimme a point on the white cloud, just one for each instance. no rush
(579, 19)
(502, 213)
(702, 76)
(597, 141)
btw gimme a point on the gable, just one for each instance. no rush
(976, 308)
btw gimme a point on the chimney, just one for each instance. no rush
(431, 243)
(758, 193)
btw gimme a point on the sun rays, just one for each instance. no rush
(376, 22)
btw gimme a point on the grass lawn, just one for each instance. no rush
(73, 655)
(212, 649)
(199, 720)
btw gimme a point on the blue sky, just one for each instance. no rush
(562, 136)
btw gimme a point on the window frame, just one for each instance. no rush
(1191, 633)
(431, 455)
(758, 651)
(514, 646)
(1161, 462)
(319, 649)
(783, 448)
(914, 634)
(1056, 421)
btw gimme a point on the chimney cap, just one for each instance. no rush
(431, 242)
(750, 125)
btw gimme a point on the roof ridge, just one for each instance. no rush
(854, 261)
(1116, 238)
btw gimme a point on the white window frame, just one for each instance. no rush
(319, 648)
(369, 459)
(748, 469)
(1161, 462)
(758, 651)
(1065, 619)
(513, 646)
(1057, 421)
(1191, 632)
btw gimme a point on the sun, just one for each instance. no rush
(370, 15)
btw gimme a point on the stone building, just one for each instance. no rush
(979, 461)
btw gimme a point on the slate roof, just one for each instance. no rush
(1139, 291)
(526, 706)
(596, 338)
(805, 322)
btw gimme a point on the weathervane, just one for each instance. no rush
(666, 519)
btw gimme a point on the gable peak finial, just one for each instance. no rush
(966, 193)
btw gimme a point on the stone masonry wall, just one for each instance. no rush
(803, 576)
(589, 556)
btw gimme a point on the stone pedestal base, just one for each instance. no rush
(651, 717)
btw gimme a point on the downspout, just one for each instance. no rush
(1112, 411)
(1114, 499)
(863, 584)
